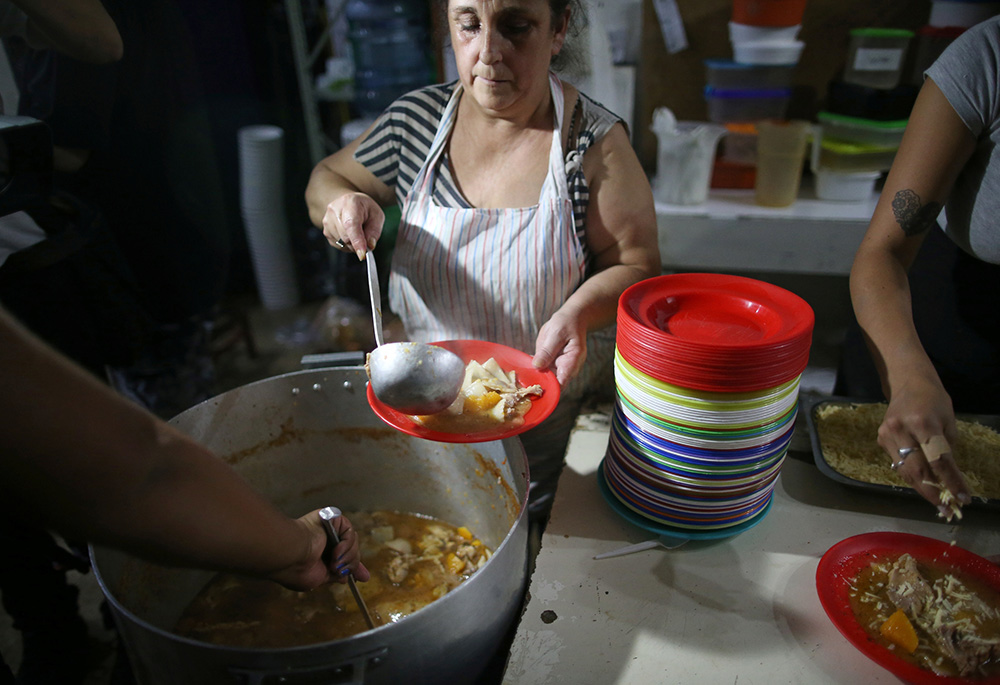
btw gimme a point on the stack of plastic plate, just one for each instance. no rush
(707, 376)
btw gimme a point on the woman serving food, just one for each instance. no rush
(525, 212)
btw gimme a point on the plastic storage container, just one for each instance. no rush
(876, 104)
(747, 33)
(771, 52)
(845, 186)
(726, 105)
(886, 134)
(835, 155)
(927, 46)
(875, 57)
(389, 42)
(724, 74)
(964, 14)
(740, 143)
(769, 12)
(727, 174)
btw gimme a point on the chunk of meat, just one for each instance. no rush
(948, 612)
(907, 588)
(954, 626)
(399, 568)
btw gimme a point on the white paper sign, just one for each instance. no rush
(671, 25)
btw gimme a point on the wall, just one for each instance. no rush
(676, 81)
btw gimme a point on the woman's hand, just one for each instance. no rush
(562, 345)
(316, 568)
(920, 416)
(354, 219)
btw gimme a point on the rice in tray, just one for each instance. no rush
(848, 435)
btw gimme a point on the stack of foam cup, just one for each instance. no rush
(262, 207)
(707, 372)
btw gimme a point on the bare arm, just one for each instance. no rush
(84, 460)
(346, 200)
(622, 235)
(81, 29)
(935, 147)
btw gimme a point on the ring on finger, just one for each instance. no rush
(904, 452)
(342, 246)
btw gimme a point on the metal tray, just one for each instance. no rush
(828, 471)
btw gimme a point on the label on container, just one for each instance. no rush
(878, 59)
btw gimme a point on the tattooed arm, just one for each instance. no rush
(935, 147)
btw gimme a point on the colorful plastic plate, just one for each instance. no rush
(480, 351)
(840, 566)
(672, 531)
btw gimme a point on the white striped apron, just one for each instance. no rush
(485, 274)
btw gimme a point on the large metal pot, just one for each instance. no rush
(307, 440)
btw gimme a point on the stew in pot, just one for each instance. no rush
(413, 560)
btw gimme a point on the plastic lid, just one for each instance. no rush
(747, 92)
(743, 127)
(882, 33)
(941, 31)
(740, 66)
(860, 122)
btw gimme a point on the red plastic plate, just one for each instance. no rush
(731, 312)
(510, 360)
(840, 566)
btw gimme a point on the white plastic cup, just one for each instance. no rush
(262, 207)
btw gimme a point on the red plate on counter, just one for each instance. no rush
(509, 360)
(844, 561)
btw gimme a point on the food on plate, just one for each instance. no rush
(930, 615)
(848, 434)
(489, 396)
(413, 559)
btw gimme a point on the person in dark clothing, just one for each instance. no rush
(133, 263)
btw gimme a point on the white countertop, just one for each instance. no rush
(740, 610)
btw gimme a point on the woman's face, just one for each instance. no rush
(503, 49)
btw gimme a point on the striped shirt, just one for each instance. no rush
(401, 140)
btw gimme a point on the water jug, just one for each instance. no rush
(390, 43)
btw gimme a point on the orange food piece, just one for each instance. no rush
(483, 402)
(454, 564)
(898, 630)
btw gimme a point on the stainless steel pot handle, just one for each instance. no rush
(350, 672)
(333, 359)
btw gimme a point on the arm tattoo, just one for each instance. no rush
(911, 216)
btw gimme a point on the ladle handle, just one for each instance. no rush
(328, 515)
(376, 297)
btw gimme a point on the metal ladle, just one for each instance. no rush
(328, 515)
(414, 378)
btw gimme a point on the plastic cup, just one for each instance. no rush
(781, 149)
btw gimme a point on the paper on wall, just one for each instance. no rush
(671, 25)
